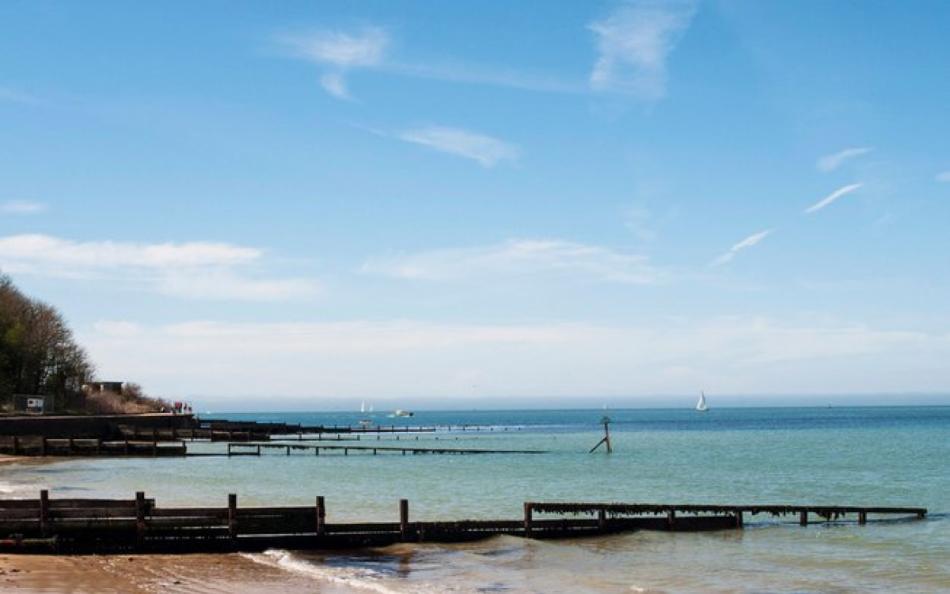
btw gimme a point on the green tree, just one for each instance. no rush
(38, 354)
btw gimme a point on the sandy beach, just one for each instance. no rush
(148, 574)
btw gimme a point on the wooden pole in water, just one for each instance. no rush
(528, 509)
(139, 518)
(606, 439)
(803, 517)
(232, 516)
(44, 512)
(404, 519)
(321, 516)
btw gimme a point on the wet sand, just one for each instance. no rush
(149, 574)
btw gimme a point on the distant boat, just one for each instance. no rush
(701, 405)
(402, 413)
(363, 406)
(366, 423)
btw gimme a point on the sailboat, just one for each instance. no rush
(701, 405)
(363, 406)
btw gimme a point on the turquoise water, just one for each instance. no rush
(848, 456)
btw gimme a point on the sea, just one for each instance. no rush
(875, 456)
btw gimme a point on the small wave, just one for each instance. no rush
(19, 491)
(357, 578)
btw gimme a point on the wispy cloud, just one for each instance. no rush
(340, 52)
(737, 354)
(340, 49)
(520, 259)
(746, 243)
(334, 83)
(943, 177)
(200, 270)
(485, 150)
(835, 160)
(832, 197)
(22, 207)
(633, 44)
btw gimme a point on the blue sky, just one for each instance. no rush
(311, 203)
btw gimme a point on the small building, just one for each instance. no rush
(32, 404)
(96, 387)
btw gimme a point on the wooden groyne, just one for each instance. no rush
(107, 525)
(256, 449)
(47, 446)
(297, 429)
(90, 426)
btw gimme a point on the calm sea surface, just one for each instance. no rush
(855, 456)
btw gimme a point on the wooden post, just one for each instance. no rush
(606, 438)
(98, 446)
(602, 520)
(126, 450)
(232, 516)
(528, 509)
(16, 445)
(71, 447)
(139, 518)
(740, 524)
(346, 452)
(316, 451)
(44, 512)
(288, 450)
(229, 449)
(154, 448)
(258, 450)
(43, 447)
(671, 519)
(321, 516)
(803, 517)
(862, 517)
(404, 519)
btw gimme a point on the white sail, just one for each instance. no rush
(701, 405)
(363, 406)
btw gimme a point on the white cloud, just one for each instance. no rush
(339, 51)
(22, 207)
(943, 176)
(833, 161)
(521, 258)
(633, 45)
(334, 84)
(736, 354)
(367, 47)
(748, 242)
(191, 269)
(832, 197)
(486, 150)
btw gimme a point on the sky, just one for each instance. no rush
(306, 204)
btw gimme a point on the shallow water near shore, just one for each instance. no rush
(895, 456)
